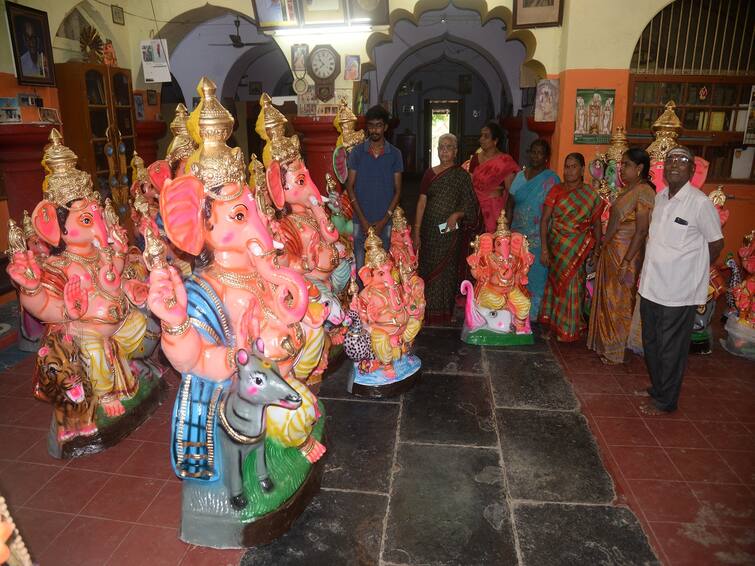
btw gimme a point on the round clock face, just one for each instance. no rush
(323, 63)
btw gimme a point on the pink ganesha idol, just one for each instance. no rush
(385, 318)
(740, 327)
(245, 434)
(87, 362)
(497, 310)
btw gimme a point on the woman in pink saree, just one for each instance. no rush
(492, 174)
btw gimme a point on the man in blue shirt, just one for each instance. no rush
(374, 184)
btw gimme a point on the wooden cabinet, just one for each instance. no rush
(97, 109)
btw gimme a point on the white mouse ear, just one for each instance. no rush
(242, 357)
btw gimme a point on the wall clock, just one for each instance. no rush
(324, 65)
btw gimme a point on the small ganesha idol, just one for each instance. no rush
(386, 317)
(246, 434)
(93, 362)
(497, 310)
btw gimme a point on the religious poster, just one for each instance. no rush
(546, 100)
(593, 117)
(155, 61)
(749, 138)
(306, 102)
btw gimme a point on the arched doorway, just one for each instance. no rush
(465, 54)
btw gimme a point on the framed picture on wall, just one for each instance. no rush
(299, 54)
(323, 12)
(152, 97)
(352, 69)
(32, 46)
(538, 13)
(373, 12)
(117, 14)
(275, 14)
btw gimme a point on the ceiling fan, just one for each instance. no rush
(236, 39)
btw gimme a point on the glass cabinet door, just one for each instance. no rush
(95, 85)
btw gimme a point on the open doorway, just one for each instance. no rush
(441, 117)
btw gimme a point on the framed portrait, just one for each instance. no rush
(139, 106)
(152, 97)
(32, 46)
(49, 115)
(538, 13)
(546, 100)
(374, 12)
(299, 54)
(352, 70)
(323, 12)
(276, 14)
(10, 112)
(117, 13)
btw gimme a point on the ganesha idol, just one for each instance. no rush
(88, 361)
(30, 330)
(246, 433)
(740, 327)
(497, 310)
(386, 317)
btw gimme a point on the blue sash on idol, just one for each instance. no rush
(194, 452)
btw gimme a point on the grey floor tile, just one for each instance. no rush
(556, 534)
(552, 456)
(447, 507)
(449, 409)
(361, 437)
(526, 381)
(442, 351)
(335, 381)
(337, 528)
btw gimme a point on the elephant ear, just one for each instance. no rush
(159, 172)
(275, 184)
(45, 221)
(181, 201)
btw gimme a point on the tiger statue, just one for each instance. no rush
(64, 382)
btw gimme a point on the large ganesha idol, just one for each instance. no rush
(740, 327)
(245, 433)
(497, 310)
(385, 316)
(87, 366)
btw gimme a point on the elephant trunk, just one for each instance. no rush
(472, 317)
(288, 284)
(328, 230)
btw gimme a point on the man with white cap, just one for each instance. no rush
(685, 238)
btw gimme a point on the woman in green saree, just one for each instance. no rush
(446, 199)
(569, 228)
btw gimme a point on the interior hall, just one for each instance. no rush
(377, 282)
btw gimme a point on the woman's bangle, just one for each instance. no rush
(176, 330)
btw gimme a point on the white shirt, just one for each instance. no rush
(677, 261)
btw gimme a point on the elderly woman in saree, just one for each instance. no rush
(569, 229)
(492, 173)
(620, 259)
(528, 191)
(446, 200)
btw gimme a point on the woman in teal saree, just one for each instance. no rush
(528, 191)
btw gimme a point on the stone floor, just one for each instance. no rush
(488, 460)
